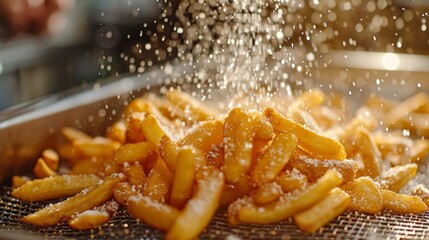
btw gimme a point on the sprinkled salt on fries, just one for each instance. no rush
(172, 161)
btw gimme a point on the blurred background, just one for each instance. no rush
(48, 46)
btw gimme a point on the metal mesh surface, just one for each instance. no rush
(347, 226)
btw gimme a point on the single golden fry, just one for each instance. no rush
(288, 205)
(88, 219)
(397, 177)
(123, 191)
(18, 181)
(69, 153)
(133, 130)
(401, 203)
(365, 195)
(51, 158)
(184, 175)
(42, 170)
(324, 211)
(73, 134)
(271, 161)
(169, 151)
(291, 180)
(311, 142)
(196, 111)
(238, 144)
(134, 152)
(263, 128)
(100, 166)
(193, 219)
(421, 192)
(267, 193)
(54, 187)
(98, 146)
(117, 132)
(135, 175)
(158, 183)
(152, 130)
(371, 156)
(205, 136)
(314, 168)
(53, 214)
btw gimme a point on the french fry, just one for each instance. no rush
(401, 203)
(289, 204)
(55, 213)
(314, 168)
(267, 193)
(416, 103)
(52, 159)
(123, 191)
(371, 156)
(133, 152)
(152, 212)
(96, 165)
(291, 180)
(184, 175)
(196, 111)
(305, 119)
(311, 142)
(421, 192)
(68, 153)
(98, 146)
(396, 149)
(238, 145)
(324, 211)
(135, 175)
(169, 151)
(117, 132)
(270, 162)
(263, 128)
(158, 183)
(18, 181)
(419, 150)
(397, 177)
(42, 170)
(88, 219)
(192, 220)
(204, 136)
(152, 130)
(365, 195)
(310, 99)
(133, 130)
(72, 134)
(54, 187)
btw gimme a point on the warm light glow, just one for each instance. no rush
(391, 61)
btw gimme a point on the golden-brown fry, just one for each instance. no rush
(288, 205)
(310, 99)
(422, 192)
(158, 183)
(324, 211)
(305, 119)
(204, 136)
(192, 220)
(184, 175)
(238, 144)
(267, 193)
(52, 159)
(314, 168)
(365, 195)
(133, 130)
(42, 170)
(53, 214)
(135, 175)
(100, 166)
(416, 103)
(123, 191)
(18, 181)
(291, 180)
(88, 219)
(313, 143)
(54, 187)
(98, 146)
(401, 203)
(133, 152)
(69, 153)
(153, 131)
(169, 151)
(263, 128)
(371, 156)
(72, 134)
(196, 111)
(419, 150)
(397, 177)
(271, 161)
(117, 132)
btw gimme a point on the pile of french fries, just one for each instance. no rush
(171, 161)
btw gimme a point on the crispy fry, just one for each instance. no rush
(238, 144)
(98, 146)
(204, 136)
(42, 170)
(18, 181)
(152, 130)
(310, 99)
(117, 132)
(270, 162)
(305, 119)
(183, 178)
(192, 220)
(313, 143)
(324, 211)
(53, 214)
(365, 195)
(267, 193)
(52, 159)
(54, 187)
(123, 191)
(397, 177)
(133, 130)
(96, 165)
(158, 183)
(371, 156)
(416, 103)
(291, 180)
(133, 152)
(169, 151)
(288, 205)
(135, 175)
(422, 192)
(72, 134)
(401, 203)
(88, 219)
